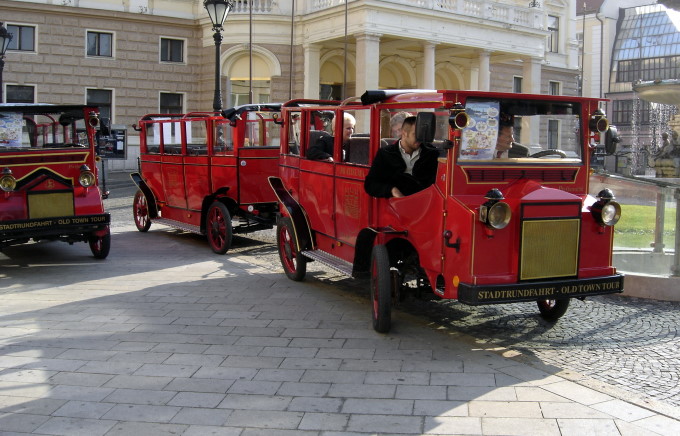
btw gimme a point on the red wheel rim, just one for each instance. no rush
(217, 228)
(288, 253)
(142, 212)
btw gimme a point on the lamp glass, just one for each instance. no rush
(218, 11)
(5, 39)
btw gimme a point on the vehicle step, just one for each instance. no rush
(330, 261)
(178, 225)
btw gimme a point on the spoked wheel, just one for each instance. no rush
(140, 211)
(100, 245)
(294, 263)
(218, 228)
(552, 310)
(381, 289)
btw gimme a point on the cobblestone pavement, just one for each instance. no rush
(629, 343)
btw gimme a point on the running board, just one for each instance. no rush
(178, 225)
(330, 261)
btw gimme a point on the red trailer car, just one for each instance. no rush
(49, 176)
(199, 170)
(489, 230)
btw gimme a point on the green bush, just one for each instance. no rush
(635, 229)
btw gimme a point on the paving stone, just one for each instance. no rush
(75, 426)
(324, 421)
(389, 424)
(265, 419)
(83, 409)
(201, 416)
(144, 413)
(315, 404)
(523, 426)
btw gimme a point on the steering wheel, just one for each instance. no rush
(73, 144)
(556, 152)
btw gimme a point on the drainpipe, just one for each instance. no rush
(601, 48)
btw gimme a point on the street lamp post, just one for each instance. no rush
(218, 11)
(5, 38)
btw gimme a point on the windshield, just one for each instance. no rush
(25, 132)
(510, 131)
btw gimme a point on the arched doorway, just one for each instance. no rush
(236, 63)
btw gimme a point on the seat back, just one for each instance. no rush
(358, 150)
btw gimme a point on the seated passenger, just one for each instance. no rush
(404, 167)
(506, 145)
(396, 122)
(323, 148)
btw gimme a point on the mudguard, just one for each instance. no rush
(301, 227)
(150, 198)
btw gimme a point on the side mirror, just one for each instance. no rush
(277, 118)
(426, 122)
(611, 138)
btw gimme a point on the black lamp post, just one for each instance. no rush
(5, 38)
(218, 11)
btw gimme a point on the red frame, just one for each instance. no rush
(56, 147)
(458, 256)
(180, 182)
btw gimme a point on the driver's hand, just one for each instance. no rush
(396, 192)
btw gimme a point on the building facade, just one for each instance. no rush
(158, 56)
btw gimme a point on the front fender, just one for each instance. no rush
(150, 198)
(297, 214)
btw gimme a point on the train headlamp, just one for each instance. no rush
(598, 122)
(86, 178)
(7, 181)
(458, 118)
(606, 211)
(495, 213)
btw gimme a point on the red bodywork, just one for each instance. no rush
(189, 162)
(44, 151)
(435, 237)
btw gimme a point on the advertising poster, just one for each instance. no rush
(479, 137)
(11, 124)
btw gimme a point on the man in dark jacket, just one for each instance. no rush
(403, 168)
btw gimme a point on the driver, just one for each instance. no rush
(506, 145)
(404, 167)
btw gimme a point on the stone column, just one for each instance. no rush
(368, 62)
(312, 68)
(428, 66)
(531, 84)
(484, 71)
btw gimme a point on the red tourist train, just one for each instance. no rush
(197, 171)
(492, 228)
(48, 168)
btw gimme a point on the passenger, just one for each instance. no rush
(506, 145)
(404, 167)
(396, 121)
(323, 148)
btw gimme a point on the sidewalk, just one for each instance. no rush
(165, 337)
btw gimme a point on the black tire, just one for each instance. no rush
(293, 262)
(381, 289)
(552, 310)
(218, 227)
(100, 245)
(140, 212)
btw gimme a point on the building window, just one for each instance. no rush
(553, 134)
(19, 94)
(517, 85)
(170, 103)
(172, 50)
(624, 111)
(103, 98)
(554, 38)
(648, 69)
(23, 38)
(554, 88)
(99, 44)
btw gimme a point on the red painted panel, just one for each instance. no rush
(255, 165)
(172, 169)
(196, 180)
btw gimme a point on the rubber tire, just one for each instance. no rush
(140, 212)
(100, 245)
(552, 310)
(218, 227)
(381, 289)
(293, 262)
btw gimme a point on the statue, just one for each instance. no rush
(667, 160)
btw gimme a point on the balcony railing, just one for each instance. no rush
(486, 10)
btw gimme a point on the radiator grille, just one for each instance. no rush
(549, 248)
(54, 204)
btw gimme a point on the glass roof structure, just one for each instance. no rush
(649, 31)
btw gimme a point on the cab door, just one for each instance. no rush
(172, 164)
(258, 158)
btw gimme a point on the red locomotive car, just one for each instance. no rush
(198, 171)
(49, 176)
(492, 228)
